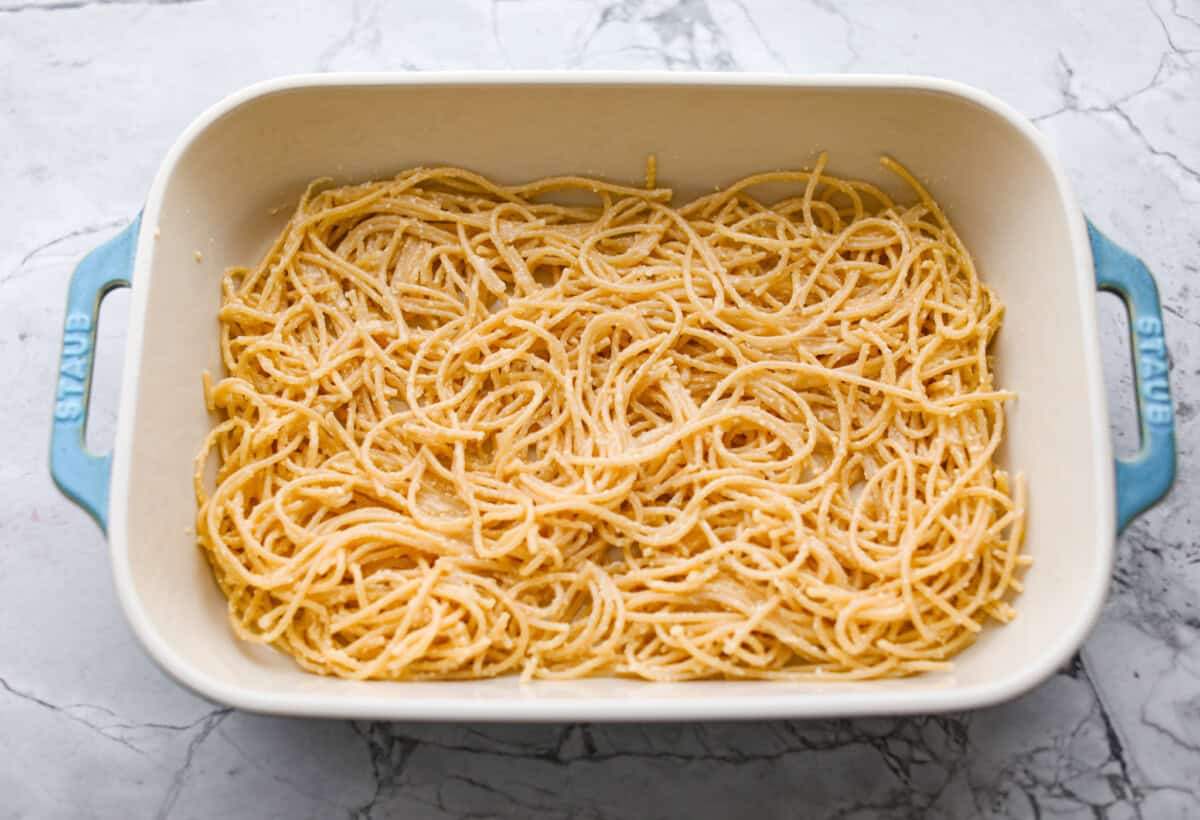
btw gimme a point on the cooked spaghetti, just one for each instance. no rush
(466, 431)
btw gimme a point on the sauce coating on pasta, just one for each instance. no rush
(465, 431)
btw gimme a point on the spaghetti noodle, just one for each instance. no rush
(467, 431)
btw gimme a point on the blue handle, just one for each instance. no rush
(82, 476)
(1145, 478)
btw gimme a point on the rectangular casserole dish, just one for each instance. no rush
(226, 187)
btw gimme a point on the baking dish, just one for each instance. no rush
(223, 192)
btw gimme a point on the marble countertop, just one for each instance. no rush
(91, 95)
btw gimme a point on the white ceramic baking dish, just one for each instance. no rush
(219, 192)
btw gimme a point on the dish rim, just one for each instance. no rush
(526, 705)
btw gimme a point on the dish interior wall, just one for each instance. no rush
(234, 185)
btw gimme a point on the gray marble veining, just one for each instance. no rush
(92, 94)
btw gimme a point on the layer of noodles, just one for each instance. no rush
(466, 431)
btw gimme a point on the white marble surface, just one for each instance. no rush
(91, 95)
